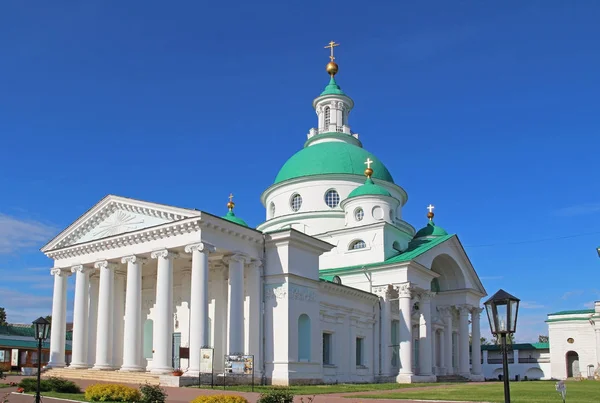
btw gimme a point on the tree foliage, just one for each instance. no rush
(3, 317)
(543, 339)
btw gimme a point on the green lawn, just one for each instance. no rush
(324, 389)
(70, 396)
(4, 385)
(493, 392)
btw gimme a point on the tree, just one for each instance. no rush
(48, 318)
(3, 317)
(485, 342)
(542, 339)
(510, 339)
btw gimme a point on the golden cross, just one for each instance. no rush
(230, 197)
(368, 163)
(331, 45)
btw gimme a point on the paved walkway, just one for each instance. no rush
(185, 395)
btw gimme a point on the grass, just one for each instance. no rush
(4, 385)
(71, 396)
(493, 392)
(324, 389)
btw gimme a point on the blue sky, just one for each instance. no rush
(490, 112)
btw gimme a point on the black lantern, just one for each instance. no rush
(598, 250)
(42, 328)
(502, 310)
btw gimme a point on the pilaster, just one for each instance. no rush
(463, 341)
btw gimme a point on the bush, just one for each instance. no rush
(277, 395)
(219, 399)
(153, 394)
(62, 385)
(30, 385)
(111, 392)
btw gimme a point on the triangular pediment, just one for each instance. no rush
(116, 215)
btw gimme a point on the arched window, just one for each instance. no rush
(296, 202)
(332, 198)
(272, 209)
(358, 244)
(435, 285)
(304, 338)
(327, 113)
(359, 214)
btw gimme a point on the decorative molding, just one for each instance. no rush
(82, 269)
(60, 272)
(384, 291)
(237, 257)
(275, 291)
(301, 293)
(164, 253)
(105, 264)
(203, 247)
(464, 309)
(134, 259)
(427, 296)
(405, 290)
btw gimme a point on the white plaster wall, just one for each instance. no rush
(584, 344)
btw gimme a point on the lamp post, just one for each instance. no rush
(598, 250)
(42, 328)
(502, 310)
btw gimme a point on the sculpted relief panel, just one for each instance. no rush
(290, 291)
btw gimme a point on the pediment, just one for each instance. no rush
(116, 215)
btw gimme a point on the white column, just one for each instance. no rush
(597, 330)
(425, 364)
(463, 341)
(132, 359)
(255, 319)
(442, 352)
(447, 341)
(58, 330)
(92, 319)
(384, 293)
(162, 360)
(475, 342)
(80, 317)
(404, 295)
(236, 304)
(104, 333)
(118, 319)
(198, 303)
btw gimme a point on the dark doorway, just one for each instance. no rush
(573, 364)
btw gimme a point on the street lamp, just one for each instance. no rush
(42, 328)
(502, 310)
(598, 250)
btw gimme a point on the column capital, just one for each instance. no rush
(57, 271)
(476, 311)
(134, 259)
(237, 257)
(255, 264)
(164, 253)
(105, 264)
(464, 309)
(82, 269)
(204, 247)
(405, 290)
(445, 310)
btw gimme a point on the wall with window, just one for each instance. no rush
(575, 335)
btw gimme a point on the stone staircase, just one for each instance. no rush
(138, 378)
(451, 379)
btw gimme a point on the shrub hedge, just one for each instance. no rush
(219, 399)
(112, 392)
(277, 395)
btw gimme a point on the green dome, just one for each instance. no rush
(369, 189)
(430, 230)
(333, 157)
(231, 217)
(332, 88)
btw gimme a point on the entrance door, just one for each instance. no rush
(572, 364)
(176, 345)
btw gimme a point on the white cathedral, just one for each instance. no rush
(334, 286)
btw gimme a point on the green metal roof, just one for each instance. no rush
(369, 189)
(10, 330)
(430, 230)
(29, 344)
(519, 346)
(230, 216)
(332, 88)
(576, 312)
(334, 157)
(415, 248)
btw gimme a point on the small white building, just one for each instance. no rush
(575, 343)
(334, 285)
(526, 361)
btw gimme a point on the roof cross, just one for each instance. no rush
(430, 208)
(368, 162)
(331, 45)
(230, 197)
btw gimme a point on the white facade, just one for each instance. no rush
(575, 343)
(525, 362)
(150, 278)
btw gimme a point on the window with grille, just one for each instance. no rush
(332, 198)
(360, 244)
(327, 113)
(359, 351)
(296, 202)
(327, 347)
(359, 214)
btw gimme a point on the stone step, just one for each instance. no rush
(451, 378)
(106, 376)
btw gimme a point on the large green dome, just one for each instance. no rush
(334, 157)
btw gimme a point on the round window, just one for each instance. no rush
(272, 209)
(570, 340)
(296, 202)
(332, 198)
(359, 214)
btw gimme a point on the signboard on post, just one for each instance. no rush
(206, 364)
(562, 389)
(239, 364)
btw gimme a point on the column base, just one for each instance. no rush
(412, 378)
(465, 374)
(195, 373)
(79, 366)
(132, 368)
(477, 378)
(102, 367)
(163, 370)
(56, 365)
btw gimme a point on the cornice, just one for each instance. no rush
(167, 230)
(339, 289)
